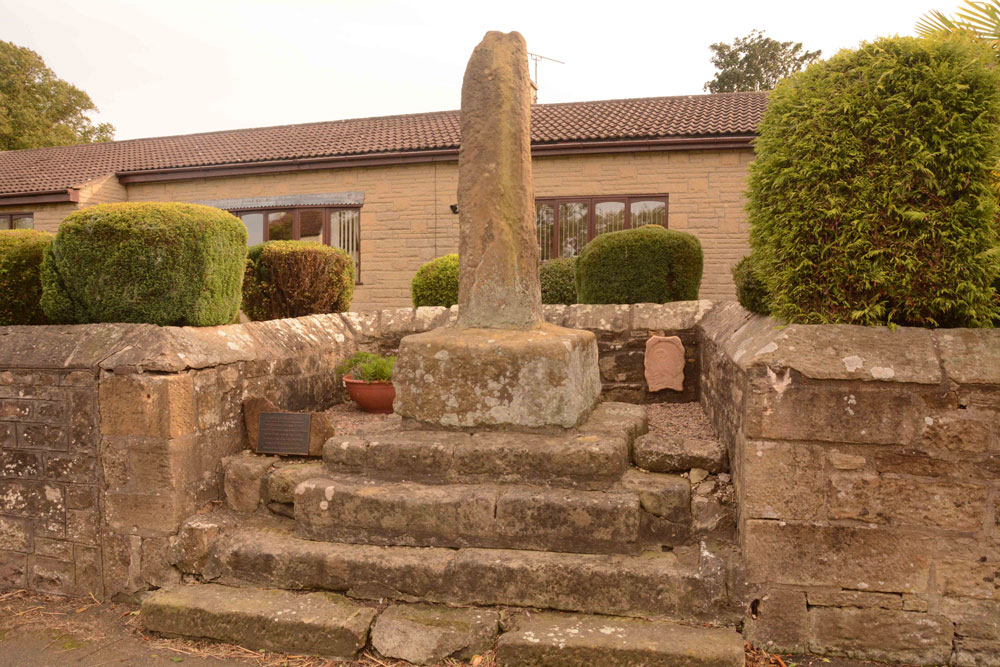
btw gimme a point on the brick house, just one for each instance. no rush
(384, 188)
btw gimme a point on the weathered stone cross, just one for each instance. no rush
(502, 365)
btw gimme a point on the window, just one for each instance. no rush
(566, 224)
(16, 221)
(339, 227)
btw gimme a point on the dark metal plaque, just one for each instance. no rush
(283, 433)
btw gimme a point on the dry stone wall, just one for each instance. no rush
(867, 470)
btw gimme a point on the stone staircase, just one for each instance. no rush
(452, 527)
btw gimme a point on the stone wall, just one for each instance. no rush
(622, 332)
(867, 469)
(111, 435)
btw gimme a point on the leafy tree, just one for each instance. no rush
(978, 20)
(38, 109)
(755, 62)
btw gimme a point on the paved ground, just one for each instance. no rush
(37, 630)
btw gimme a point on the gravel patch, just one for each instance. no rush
(347, 418)
(684, 419)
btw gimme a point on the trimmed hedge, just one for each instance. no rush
(871, 198)
(558, 278)
(159, 263)
(649, 264)
(751, 291)
(296, 278)
(21, 252)
(436, 282)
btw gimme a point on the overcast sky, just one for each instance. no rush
(179, 66)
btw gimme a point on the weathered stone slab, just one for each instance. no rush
(970, 356)
(498, 272)
(569, 460)
(664, 363)
(651, 584)
(802, 554)
(282, 481)
(880, 634)
(559, 640)
(666, 496)
(546, 376)
(675, 454)
(244, 480)
(674, 316)
(565, 520)
(314, 623)
(459, 515)
(424, 634)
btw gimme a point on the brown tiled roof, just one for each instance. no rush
(44, 169)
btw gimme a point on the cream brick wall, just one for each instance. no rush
(48, 216)
(406, 220)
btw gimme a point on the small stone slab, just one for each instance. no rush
(675, 454)
(244, 476)
(665, 496)
(664, 363)
(561, 640)
(427, 634)
(315, 623)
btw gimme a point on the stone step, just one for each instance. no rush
(593, 456)
(362, 511)
(658, 452)
(573, 640)
(275, 620)
(689, 583)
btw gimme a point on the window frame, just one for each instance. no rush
(8, 218)
(327, 234)
(591, 202)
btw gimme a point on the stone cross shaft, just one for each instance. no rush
(498, 249)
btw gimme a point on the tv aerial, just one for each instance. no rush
(536, 57)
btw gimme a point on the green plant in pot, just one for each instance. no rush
(368, 378)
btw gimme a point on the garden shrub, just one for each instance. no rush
(296, 278)
(436, 282)
(871, 198)
(558, 278)
(649, 264)
(21, 252)
(159, 263)
(751, 291)
(367, 367)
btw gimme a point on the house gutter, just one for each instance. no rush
(42, 197)
(436, 155)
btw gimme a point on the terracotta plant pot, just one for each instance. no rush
(371, 396)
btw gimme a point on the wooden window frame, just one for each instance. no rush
(8, 218)
(296, 228)
(591, 201)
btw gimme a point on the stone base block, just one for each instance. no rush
(498, 378)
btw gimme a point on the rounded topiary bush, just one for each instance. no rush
(159, 263)
(558, 278)
(296, 278)
(21, 252)
(871, 198)
(436, 282)
(751, 291)
(649, 264)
